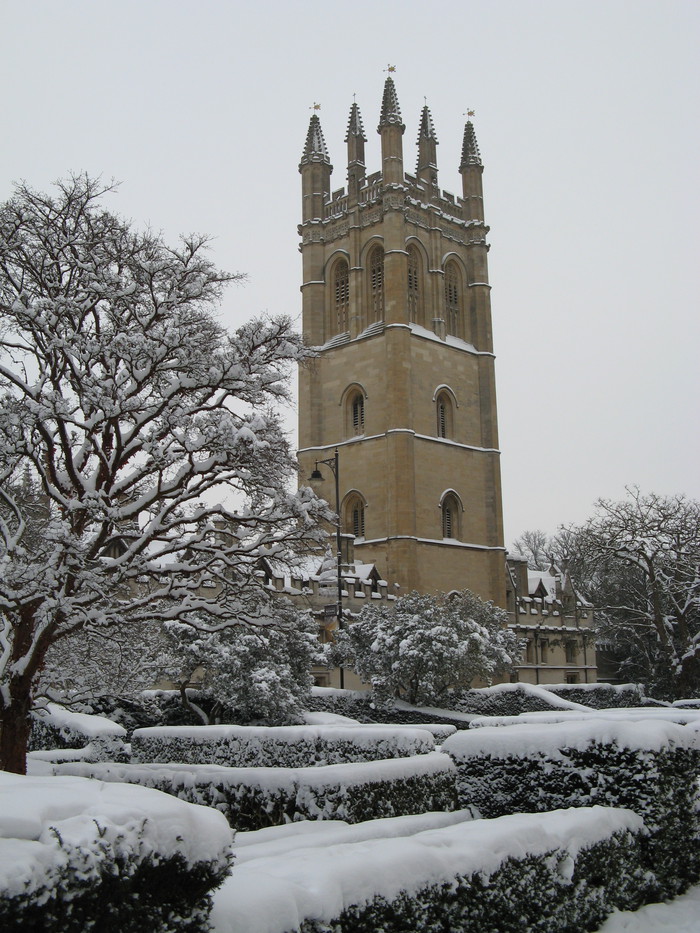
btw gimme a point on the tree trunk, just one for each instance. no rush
(14, 731)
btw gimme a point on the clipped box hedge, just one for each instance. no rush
(276, 746)
(55, 727)
(253, 798)
(78, 855)
(560, 872)
(650, 767)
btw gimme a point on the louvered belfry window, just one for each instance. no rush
(450, 517)
(341, 286)
(358, 414)
(414, 296)
(357, 517)
(452, 299)
(376, 283)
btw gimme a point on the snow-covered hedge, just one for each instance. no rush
(276, 746)
(510, 700)
(55, 727)
(252, 798)
(552, 872)
(650, 767)
(362, 705)
(80, 855)
(603, 696)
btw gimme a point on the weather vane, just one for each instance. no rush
(315, 106)
(390, 68)
(469, 113)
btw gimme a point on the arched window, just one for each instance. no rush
(414, 286)
(453, 300)
(341, 295)
(354, 517)
(444, 415)
(376, 284)
(450, 508)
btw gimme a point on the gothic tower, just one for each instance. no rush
(396, 297)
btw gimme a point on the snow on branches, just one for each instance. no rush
(425, 644)
(142, 469)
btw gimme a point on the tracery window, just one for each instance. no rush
(341, 295)
(355, 516)
(376, 283)
(452, 300)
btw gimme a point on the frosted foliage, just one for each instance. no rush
(427, 644)
(252, 674)
(142, 468)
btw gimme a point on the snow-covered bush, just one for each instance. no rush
(55, 727)
(421, 646)
(562, 871)
(80, 855)
(248, 675)
(276, 746)
(601, 696)
(252, 798)
(650, 767)
(510, 700)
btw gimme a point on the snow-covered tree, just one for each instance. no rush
(424, 645)
(158, 469)
(247, 674)
(641, 561)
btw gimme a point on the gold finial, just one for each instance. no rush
(469, 114)
(390, 68)
(315, 106)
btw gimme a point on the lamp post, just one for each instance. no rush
(332, 462)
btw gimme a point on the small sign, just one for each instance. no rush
(330, 612)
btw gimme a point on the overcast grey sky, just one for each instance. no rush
(587, 119)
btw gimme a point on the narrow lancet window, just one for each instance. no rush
(341, 292)
(376, 283)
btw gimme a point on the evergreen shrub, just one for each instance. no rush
(254, 798)
(276, 746)
(648, 767)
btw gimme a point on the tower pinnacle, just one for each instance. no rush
(470, 148)
(427, 152)
(315, 146)
(355, 127)
(391, 112)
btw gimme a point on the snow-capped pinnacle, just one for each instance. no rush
(470, 148)
(315, 146)
(355, 127)
(391, 113)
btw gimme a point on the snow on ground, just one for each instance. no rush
(282, 888)
(681, 915)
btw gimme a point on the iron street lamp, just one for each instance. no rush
(332, 462)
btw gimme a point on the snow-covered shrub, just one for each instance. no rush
(252, 798)
(55, 727)
(601, 696)
(562, 871)
(510, 700)
(80, 855)
(650, 767)
(421, 646)
(276, 746)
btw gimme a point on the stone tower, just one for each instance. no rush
(396, 297)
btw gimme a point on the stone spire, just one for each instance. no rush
(355, 127)
(470, 148)
(391, 112)
(356, 139)
(427, 151)
(315, 147)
